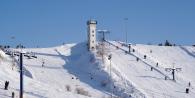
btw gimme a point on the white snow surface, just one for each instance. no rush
(64, 66)
(88, 76)
(152, 83)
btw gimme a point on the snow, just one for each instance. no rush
(152, 83)
(73, 66)
(51, 81)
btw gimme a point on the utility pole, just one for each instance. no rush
(109, 58)
(21, 67)
(129, 45)
(103, 39)
(21, 75)
(172, 70)
(125, 20)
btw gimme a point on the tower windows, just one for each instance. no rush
(91, 34)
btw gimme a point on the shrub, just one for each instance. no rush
(81, 91)
(160, 44)
(104, 83)
(68, 88)
(167, 43)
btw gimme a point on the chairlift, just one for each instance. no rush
(168, 69)
(178, 69)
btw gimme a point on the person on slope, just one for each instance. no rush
(6, 85)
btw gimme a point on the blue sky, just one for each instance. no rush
(46, 23)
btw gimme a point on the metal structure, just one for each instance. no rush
(109, 58)
(103, 32)
(103, 39)
(20, 54)
(125, 20)
(172, 70)
(21, 75)
(129, 45)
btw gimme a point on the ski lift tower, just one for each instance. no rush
(172, 70)
(91, 30)
(103, 32)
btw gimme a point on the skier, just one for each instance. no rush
(151, 68)
(117, 47)
(6, 85)
(13, 94)
(189, 84)
(165, 77)
(133, 50)
(187, 90)
(137, 59)
(144, 56)
(13, 66)
(43, 63)
(157, 64)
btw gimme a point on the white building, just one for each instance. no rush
(91, 32)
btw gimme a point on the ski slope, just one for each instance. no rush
(71, 71)
(66, 65)
(153, 83)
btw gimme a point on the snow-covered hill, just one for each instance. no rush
(152, 83)
(66, 74)
(71, 71)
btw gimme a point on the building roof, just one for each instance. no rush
(91, 22)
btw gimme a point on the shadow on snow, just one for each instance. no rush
(82, 64)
